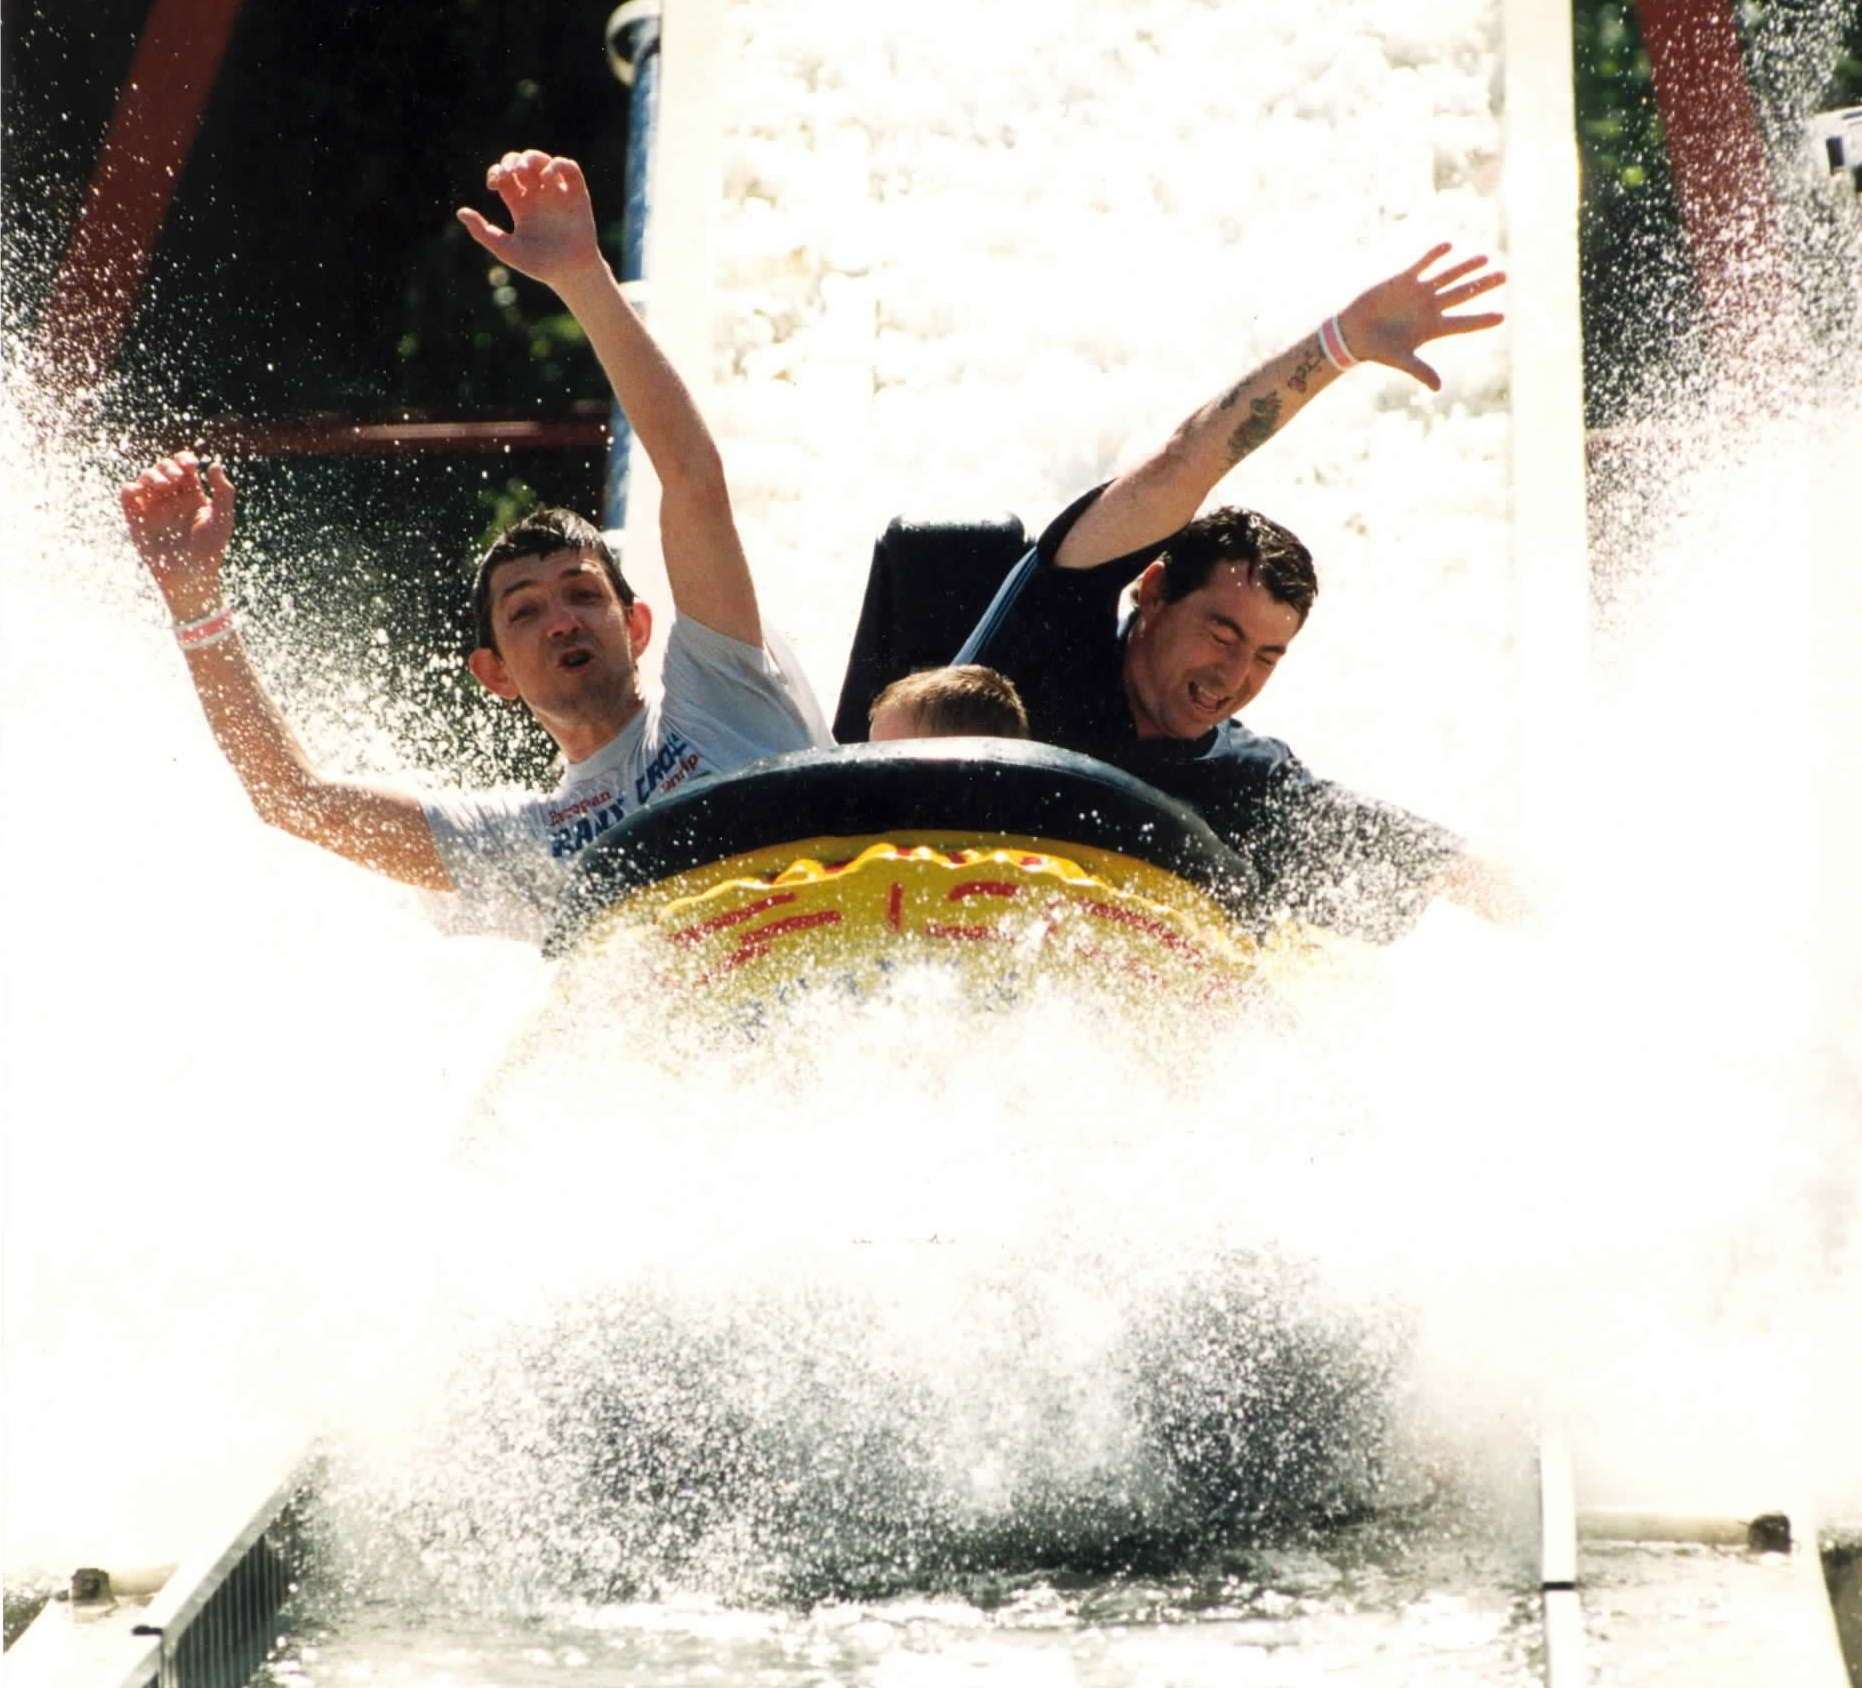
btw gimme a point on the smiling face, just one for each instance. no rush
(565, 644)
(1192, 663)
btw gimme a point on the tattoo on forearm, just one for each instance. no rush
(1311, 359)
(1263, 419)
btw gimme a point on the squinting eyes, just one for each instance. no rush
(524, 611)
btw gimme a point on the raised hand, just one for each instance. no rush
(1386, 323)
(180, 533)
(552, 234)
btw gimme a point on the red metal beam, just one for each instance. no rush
(158, 114)
(1717, 155)
(333, 436)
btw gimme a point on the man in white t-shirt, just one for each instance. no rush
(558, 628)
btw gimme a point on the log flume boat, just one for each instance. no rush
(1006, 859)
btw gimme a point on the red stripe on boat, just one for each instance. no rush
(763, 938)
(736, 917)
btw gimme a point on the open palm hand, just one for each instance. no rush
(1387, 323)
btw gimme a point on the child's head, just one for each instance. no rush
(948, 703)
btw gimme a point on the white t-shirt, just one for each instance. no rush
(723, 704)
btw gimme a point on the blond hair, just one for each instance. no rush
(946, 702)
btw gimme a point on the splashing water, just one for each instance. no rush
(909, 1294)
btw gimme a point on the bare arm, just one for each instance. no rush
(1482, 886)
(1385, 324)
(552, 239)
(181, 534)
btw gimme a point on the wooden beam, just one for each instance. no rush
(334, 436)
(158, 113)
(1716, 153)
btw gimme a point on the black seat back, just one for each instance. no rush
(928, 587)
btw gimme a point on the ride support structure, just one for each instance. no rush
(1716, 154)
(634, 56)
(158, 114)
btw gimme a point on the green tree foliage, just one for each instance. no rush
(311, 262)
(1637, 286)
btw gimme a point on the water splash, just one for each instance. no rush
(1608, 1167)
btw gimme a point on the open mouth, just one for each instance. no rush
(575, 659)
(1205, 701)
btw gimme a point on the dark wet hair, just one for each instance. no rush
(957, 701)
(1272, 555)
(538, 535)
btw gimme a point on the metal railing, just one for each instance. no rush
(209, 1622)
(214, 1630)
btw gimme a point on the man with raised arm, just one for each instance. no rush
(557, 627)
(1220, 599)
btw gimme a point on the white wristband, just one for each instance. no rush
(210, 630)
(1332, 343)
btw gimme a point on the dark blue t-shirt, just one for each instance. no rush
(1325, 854)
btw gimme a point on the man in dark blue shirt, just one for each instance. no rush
(1220, 600)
